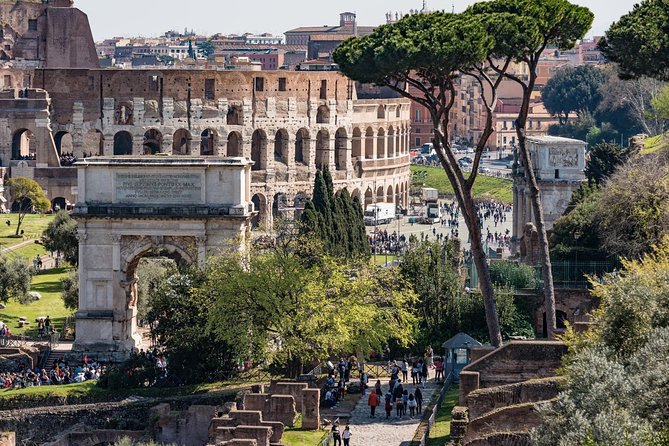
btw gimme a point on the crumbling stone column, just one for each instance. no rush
(311, 416)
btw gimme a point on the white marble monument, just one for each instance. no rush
(129, 207)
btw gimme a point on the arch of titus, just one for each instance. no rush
(129, 207)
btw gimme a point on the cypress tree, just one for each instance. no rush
(309, 220)
(323, 207)
(360, 228)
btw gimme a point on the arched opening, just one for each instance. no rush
(298, 203)
(302, 141)
(95, 140)
(391, 142)
(355, 193)
(208, 142)
(235, 115)
(281, 147)
(389, 195)
(23, 145)
(259, 203)
(322, 149)
(123, 143)
(379, 195)
(341, 141)
(356, 144)
(381, 112)
(258, 150)
(181, 142)
(381, 144)
(235, 147)
(369, 144)
(369, 197)
(323, 115)
(140, 269)
(402, 201)
(398, 111)
(64, 143)
(396, 197)
(58, 204)
(279, 206)
(153, 142)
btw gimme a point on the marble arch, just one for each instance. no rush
(131, 207)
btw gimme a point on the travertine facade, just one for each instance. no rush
(288, 123)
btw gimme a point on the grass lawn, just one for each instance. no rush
(48, 284)
(33, 226)
(381, 259)
(90, 389)
(441, 430)
(28, 252)
(295, 436)
(655, 143)
(484, 187)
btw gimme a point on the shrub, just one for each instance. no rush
(512, 274)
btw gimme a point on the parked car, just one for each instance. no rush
(485, 170)
(509, 165)
(467, 159)
(463, 163)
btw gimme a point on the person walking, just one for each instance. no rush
(405, 370)
(346, 435)
(419, 400)
(389, 404)
(412, 405)
(424, 374)
(372, 402)
(363, 383)
(336, 435)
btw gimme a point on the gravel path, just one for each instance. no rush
(379, 431)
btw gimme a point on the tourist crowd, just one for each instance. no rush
(61, 373)
(382, 242)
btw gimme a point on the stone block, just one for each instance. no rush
(311, 418)
(277, 430)
(196, 430)
(261, 434)
(281, 408)
(469, 381)
(238, 442)
(254, 401)
(246, 417)
(290, 388)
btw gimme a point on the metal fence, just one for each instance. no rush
(576, 274)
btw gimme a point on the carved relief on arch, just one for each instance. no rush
(134, 247)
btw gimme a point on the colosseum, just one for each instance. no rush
(289, 123)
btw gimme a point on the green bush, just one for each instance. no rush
(512, 274)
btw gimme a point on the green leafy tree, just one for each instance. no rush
(421, 57)
(61, 235)
(639, 41)
(15, 278)
(556, 23)
(634, 206)
(603, 160)
(660, 103)
(573, 90)
(273, 307)
(207, 48)
(576, 235)
(512, 274)
(29, 195)
(179, 313)
(71, 290)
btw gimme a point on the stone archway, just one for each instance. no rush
(130, 208)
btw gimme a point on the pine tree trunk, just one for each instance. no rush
(537, 208)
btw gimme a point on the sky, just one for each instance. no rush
(153, 17)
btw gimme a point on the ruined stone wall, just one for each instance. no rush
(46, 34)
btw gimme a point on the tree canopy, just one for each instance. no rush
(335, 219)
(573, 90)
(276, 307)
(30, 197)
(61, 235)
(15, 278)
(639, 41)
(603, 159)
